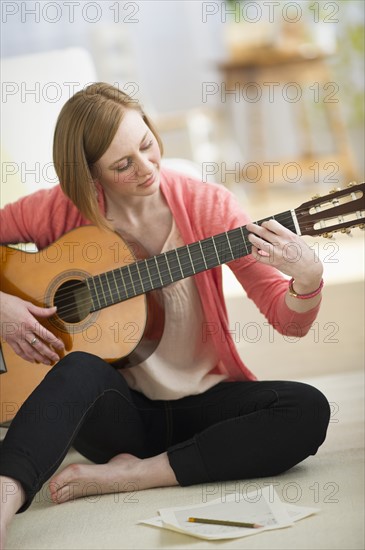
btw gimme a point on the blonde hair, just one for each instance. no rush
(84, 130)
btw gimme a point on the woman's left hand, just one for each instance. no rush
(273, 244)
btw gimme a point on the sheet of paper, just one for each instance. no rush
(300, 512)
(264, 508)
(295, 512)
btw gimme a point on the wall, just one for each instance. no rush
(165, 52)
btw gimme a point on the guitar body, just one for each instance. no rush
(123, 334)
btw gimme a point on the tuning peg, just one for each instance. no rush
(317, 196)
(347, 231)
(328, 235)
(352, 183)
(362, 226)
(334, 190)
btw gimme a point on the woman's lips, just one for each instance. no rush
(148, 182)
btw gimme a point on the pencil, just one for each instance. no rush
(225, 522)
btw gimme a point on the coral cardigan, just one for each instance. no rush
(200, 210)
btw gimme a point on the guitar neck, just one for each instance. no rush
(163, 269)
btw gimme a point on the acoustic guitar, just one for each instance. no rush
(108, 297)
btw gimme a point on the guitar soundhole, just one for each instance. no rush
(73, 301)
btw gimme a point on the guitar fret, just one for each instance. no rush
(116, 286)
(162, 263)
(128, 282)
(244, 240)
(139, 274)
(131, 279)
(148, 272)
(102, 289)
(97, 292)
(191, 261)
(229, 244)
(295, 222)
(237, 244)
(94, 295)
(144, 276)
(153, 272)
(178, 261)
(224, 252)
(215, 249)
(168, 267)
(289, 223)
(197, 256)
(135, 278)
(106, 288)
(173, 264)
(205, 263)
(120, 272)
(110, 290)
(185, 261)
(158, 271)
(210, 254)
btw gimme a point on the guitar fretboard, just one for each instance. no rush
(161, 270)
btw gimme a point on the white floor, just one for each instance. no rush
(332, 480)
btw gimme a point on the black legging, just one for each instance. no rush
(235, 430)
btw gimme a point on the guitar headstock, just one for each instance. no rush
(339, 210)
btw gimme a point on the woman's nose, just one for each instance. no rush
(144, 166)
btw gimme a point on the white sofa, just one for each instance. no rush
(35, 87)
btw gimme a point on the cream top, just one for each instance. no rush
(181, 364)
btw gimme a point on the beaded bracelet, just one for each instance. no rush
(304, 296)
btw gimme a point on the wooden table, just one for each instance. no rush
(278, 71)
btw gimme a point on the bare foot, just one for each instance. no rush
(80, 480)
(124, 472)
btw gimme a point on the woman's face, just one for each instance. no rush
(130, 167)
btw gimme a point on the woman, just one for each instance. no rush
(192, 412)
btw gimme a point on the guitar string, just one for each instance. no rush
(112, 294)
(284, 218)
(141, 280)
(128, 287)
(70, 287)
(163, 272)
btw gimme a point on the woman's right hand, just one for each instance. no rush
(21, 330)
